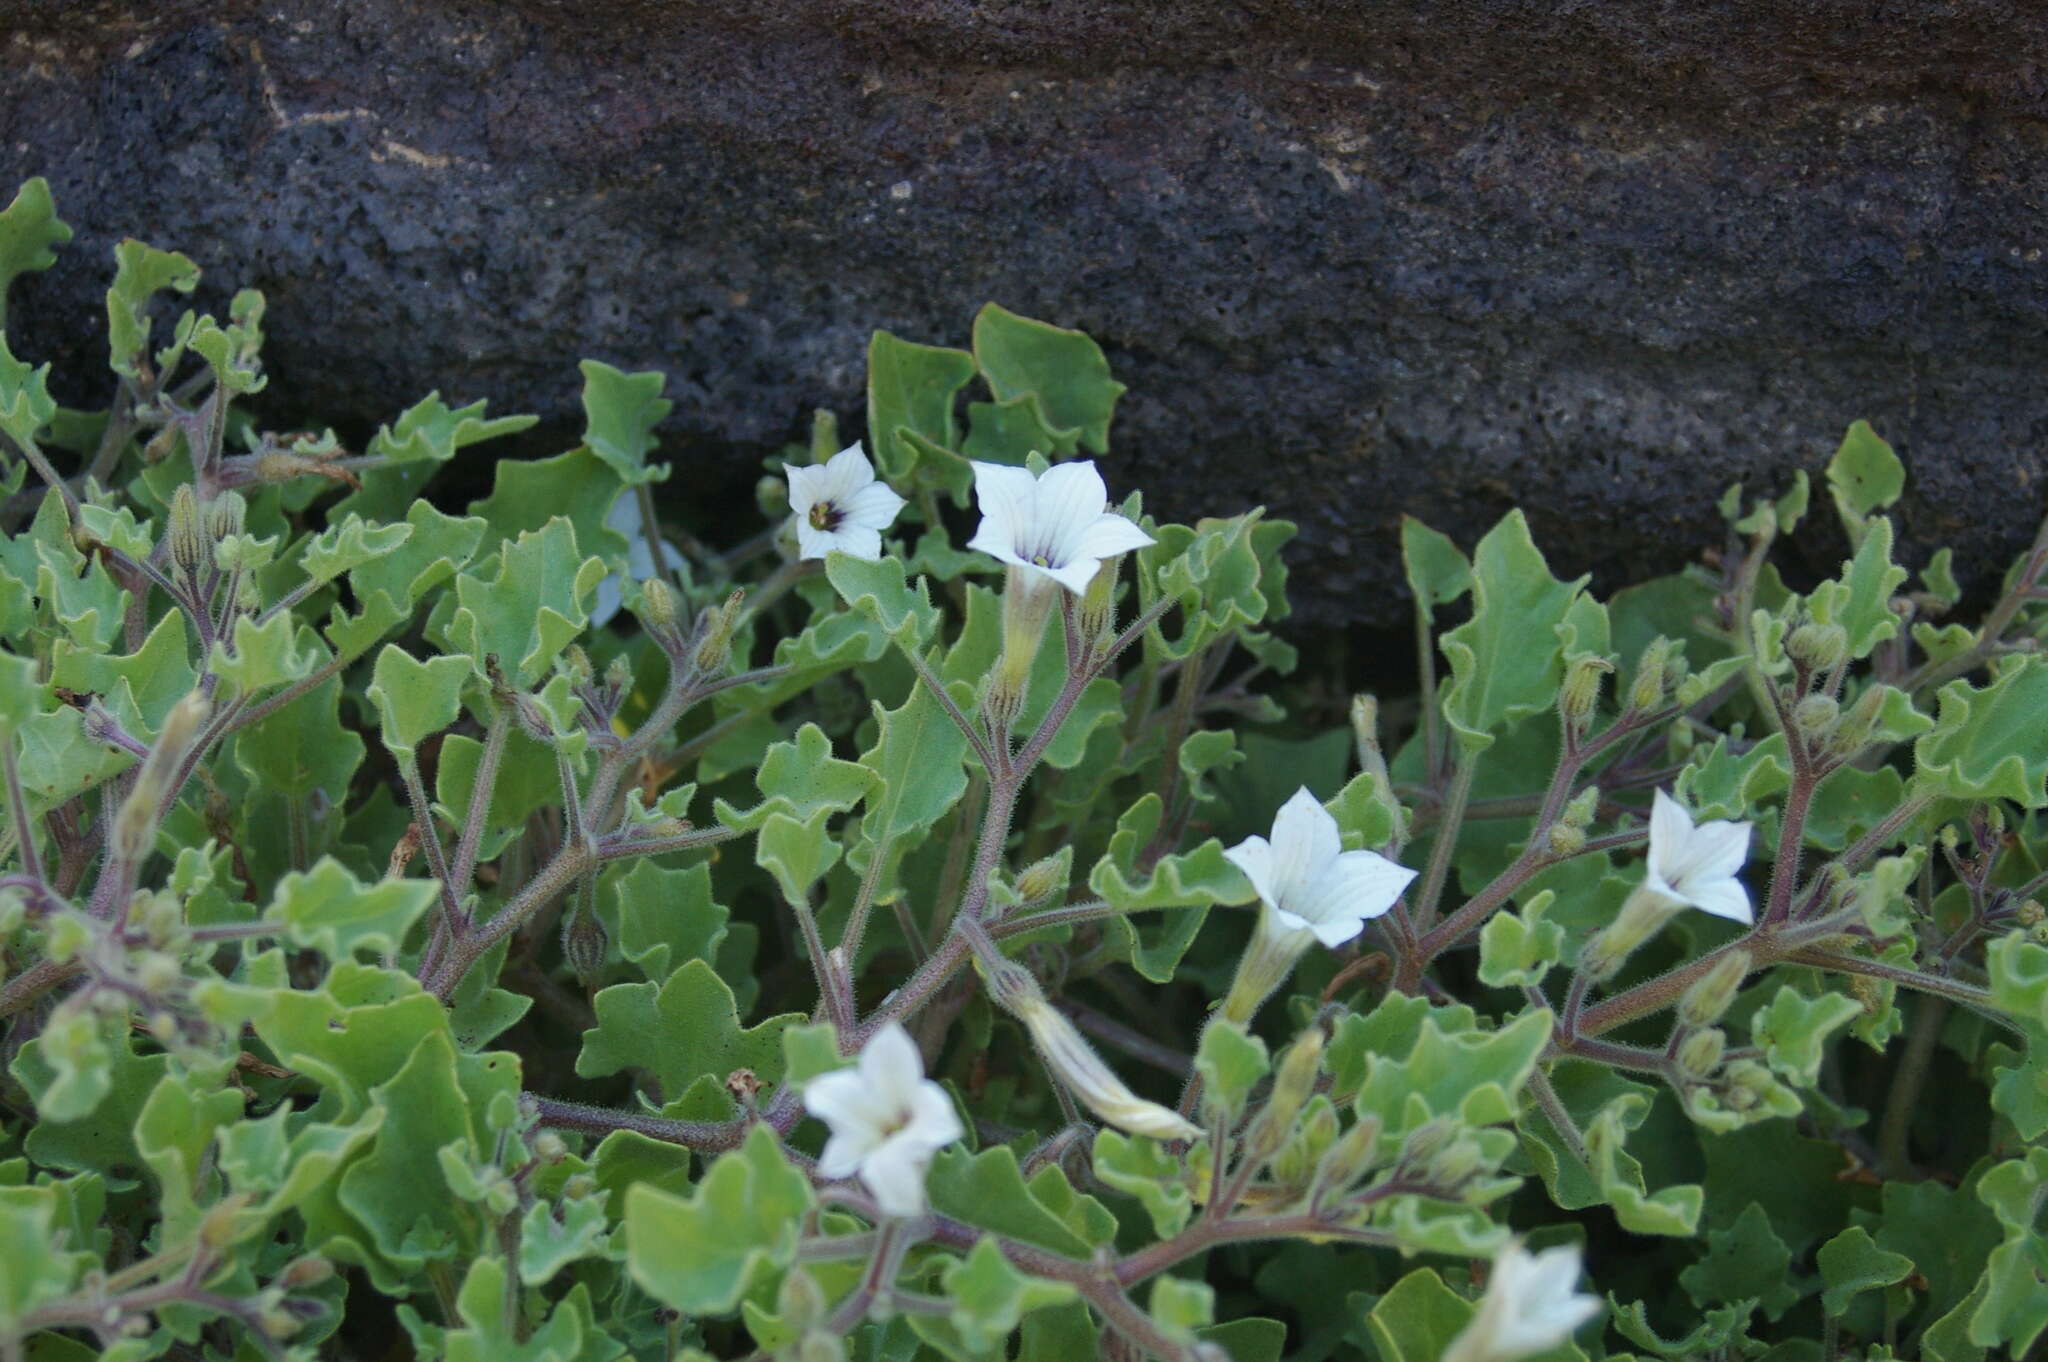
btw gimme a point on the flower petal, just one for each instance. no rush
(1007, 497)
(1074, 575)
(1254, 856)
(1110, 535)
(1305, 840)
(933, 1121)
(1670, 835)
(1357, 886)
(812, 542)
(1723, 898)
(895, 1173)
(847, 472)
(872, 507)
(809, 484)
(891, 1065)
(1070, 498)
(858, 541)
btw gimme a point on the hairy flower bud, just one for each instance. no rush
(1292, 1085)
(1313, 1135)
(299, 1273)
(1710, 994)
(1818, 647)
(135, 822)
(1642, 916)
(1075, 1063)
(1096, 619)
(1579, 813)
(1566, 840)
(1002, 699)
(800, 1301)
(1426, 1141)
(549, 1147)
(657, 609)
(1456, 1164)
(714, 639)
(1041, 880)
(1354, 1155)
(584, 944)
(191, 549)
(772, 496)
(2029, 913)
(1852, 733)
(1579, 694)
(1815, 715)
(224, 515)
(1646, 690)
(1699, 1054)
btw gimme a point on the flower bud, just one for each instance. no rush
(135, 822)
(1566, 840)
(1428, 1140)
(577, 1186)
(1852, 734)
(657, 608)
(819, 1346)
(1815, 715)
(1097, 616)
(1580, 811)
(1354, 1155)
(1748, 1083)
(1027, 610)
(576, 663)
(714, 639)
(224, 516)
(1646, 690)
(1002, 699)
(299, 1273)
(1365, 724)
(549, 1147)
(1580, 693)
(1292, 1085)
(772, 496)
(1456, 1164)
(584, 945)
(280, 1323)
(1818, 647)
(158, 974)
(1699, 1054)
(1314, 1133)
(800, 1301)
(1042, 880)
(2029, 913)
(190, 548)
(1074, 1063)
(1708, 997)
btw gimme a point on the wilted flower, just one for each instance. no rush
(1697, 865)
(1310, 889)
(839, 505)
(1530, 1305)
(1075, 1062)
(1057, 525)
(887, 1120)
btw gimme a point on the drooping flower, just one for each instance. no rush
(839, 505)
(1698, 865)
(1531, 1305)
(887, 1120)
(1057, 525)
(1077, 1065)
(1310, 889)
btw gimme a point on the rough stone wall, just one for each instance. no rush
(1352, 258)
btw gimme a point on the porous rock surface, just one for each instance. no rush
(1440, 256)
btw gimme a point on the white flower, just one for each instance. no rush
(1697, 866)
(839, 505)
(887, 1120)
(1058, 526)
(1310, 882)
(1530, 1305)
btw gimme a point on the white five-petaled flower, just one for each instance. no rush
(839, 505)
(1309, 881)
(1697, 865)
(1531, 1304)
(887, 1120)
(1057, 525)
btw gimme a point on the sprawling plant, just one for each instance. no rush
(524, 930)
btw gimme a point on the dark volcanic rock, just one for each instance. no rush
(1353, 259)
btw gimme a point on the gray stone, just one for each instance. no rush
(1353, 259)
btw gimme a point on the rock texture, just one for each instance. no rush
(1438, 256)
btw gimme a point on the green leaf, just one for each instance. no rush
(88, 1086)
(302, 750)
(988, 1190)
(1860, 599)
(1225, 574)
(1180, 1307)
(25, 402)
(620, 412)
(389, 585)
(1671, 1210)
(117, 527)
(990, 1298)
(38, 1269)
(415, 700)
(1794, 1031)
(1518, 949)
(264, 654)
(1010, 431)
(659, 917)
(577, 487)
(700, 1255)
(879, 592)
(1231, 1061)
(348, 545)
(157, 675)
(1507, 660)
(2014, 1308)
(1476, 1076)
(1185, 881)
(29, 230)
(1864, 476)
(174, 1135)
(1746, 1261)
(531, 610)
(333, 912)
(1437, 570)
(680, 1031)
(1418, 1319)
(911, 388)
(1064, 368)
(552, 1237)
(1989, 742)
(801, 780)
(1144, 1169)
(140, 273)
(919, 761)
(796, 853)
(1852, 1262)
